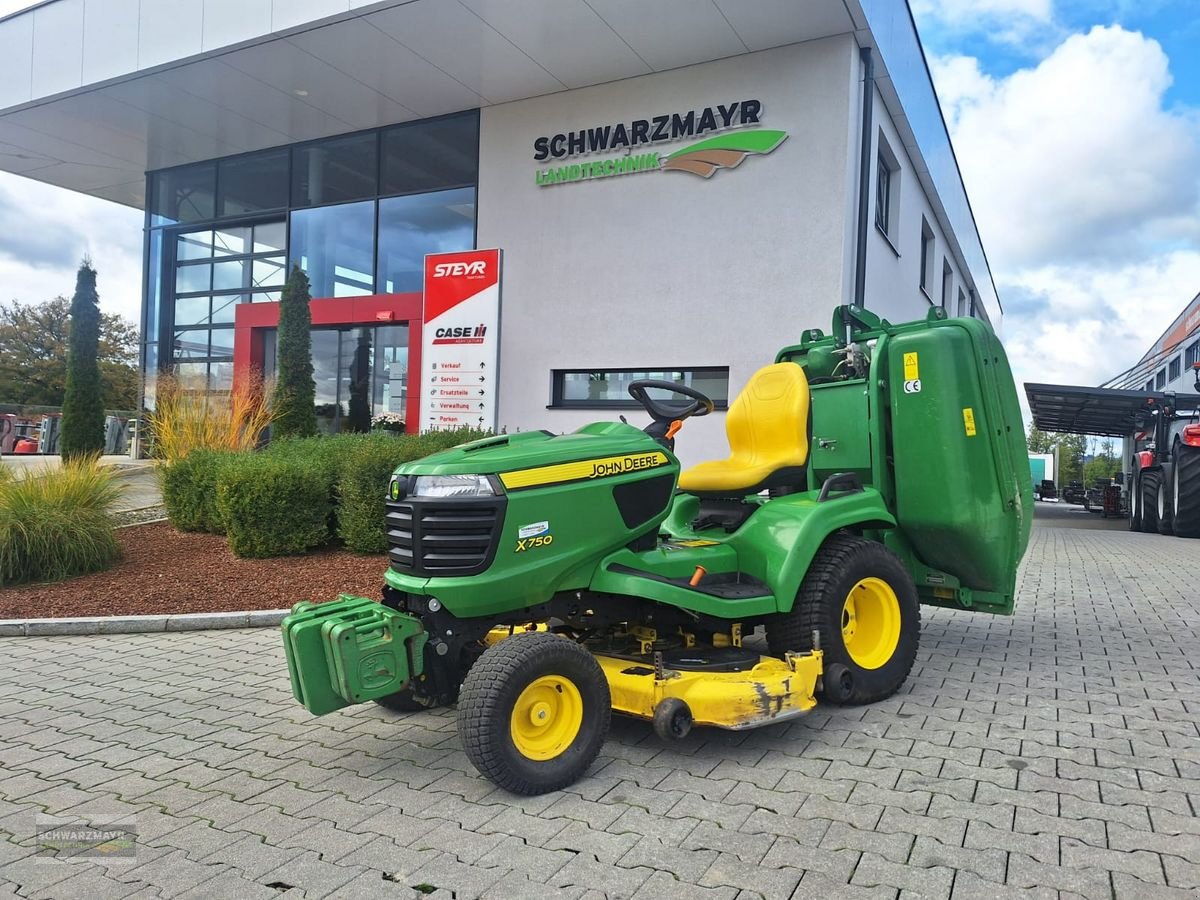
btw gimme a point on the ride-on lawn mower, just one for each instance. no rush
(544, 581)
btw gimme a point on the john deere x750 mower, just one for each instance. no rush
(544, 581)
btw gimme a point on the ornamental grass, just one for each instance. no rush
(55, 523)
(186, 418)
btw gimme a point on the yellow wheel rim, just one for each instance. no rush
(871, 623)
(547, 717)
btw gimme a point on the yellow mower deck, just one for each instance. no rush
(774, 690)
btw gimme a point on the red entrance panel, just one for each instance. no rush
(250, 319)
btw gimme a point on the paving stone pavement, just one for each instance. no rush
(1054, 753)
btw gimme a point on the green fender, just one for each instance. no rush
(779, 541)
(776, 545)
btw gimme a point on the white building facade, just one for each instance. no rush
(678, 189)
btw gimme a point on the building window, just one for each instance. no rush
(962, 303)
(609, 388)
(416, 224)
(928, 246)
(186, 194)
(252, 183)
(1176, 369)
(335, 170)
(1160, 380)
(947, 283)
(335, 246)
(430, 156)
(1150, 385)
(887, 188)
(216, 269)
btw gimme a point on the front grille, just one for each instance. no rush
(439, 537)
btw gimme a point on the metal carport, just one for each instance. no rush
(1107, 412)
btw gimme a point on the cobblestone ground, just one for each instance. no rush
(1052, 753)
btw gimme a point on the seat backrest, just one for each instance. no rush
(769, 419)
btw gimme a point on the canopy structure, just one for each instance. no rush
(1107, 412)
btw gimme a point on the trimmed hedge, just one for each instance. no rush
(298, 493)
(189, 491)
(273, 506)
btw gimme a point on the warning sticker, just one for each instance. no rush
(969, 421)
(911, 370)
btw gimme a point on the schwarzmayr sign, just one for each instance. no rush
(724, 151)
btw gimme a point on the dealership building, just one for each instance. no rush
(675, 189)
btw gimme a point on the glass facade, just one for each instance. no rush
(357, 212)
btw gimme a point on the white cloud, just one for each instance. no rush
(1086, 189)
(1006, 21)
(1084, 324)
(47, 230)
(1075, 158)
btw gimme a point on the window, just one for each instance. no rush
(416, 224)
(1192, 355)
(252, 183)
(609, 388)
(1160, 379)
(336, 170)
(947, 283)
(335, 246)
(928, 245)
(1150, 385)
(962, 303)
(215, 269)
(887, 188)
(183, 195)
(1176, 369)
(431, 156)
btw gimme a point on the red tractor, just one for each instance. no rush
(1164, 487)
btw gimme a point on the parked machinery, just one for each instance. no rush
(1164, 490)
(546, 581)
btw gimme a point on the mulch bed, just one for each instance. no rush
(165, 571)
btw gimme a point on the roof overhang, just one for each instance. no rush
(1106, 412)
(93, 103)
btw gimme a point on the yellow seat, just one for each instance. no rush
(767, 428)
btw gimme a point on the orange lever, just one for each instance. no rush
(674, 429)
(697, 575)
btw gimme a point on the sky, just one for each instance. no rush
(1076, 124)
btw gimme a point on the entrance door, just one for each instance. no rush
(360, 372)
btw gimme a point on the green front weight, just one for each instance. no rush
(350, 651)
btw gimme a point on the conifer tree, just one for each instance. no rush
(295, 390)
(83, 412)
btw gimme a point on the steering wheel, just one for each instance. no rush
(667, 413)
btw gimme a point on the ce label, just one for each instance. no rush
(912, 386)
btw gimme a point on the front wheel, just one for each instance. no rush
(533, 713)
(862, 602)
(1185, 489)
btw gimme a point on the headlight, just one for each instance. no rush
(452, 486)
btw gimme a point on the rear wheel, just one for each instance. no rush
(861, 600)
(1185, 489)
(1164, 508)
(1148, 499)
(534, 712)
